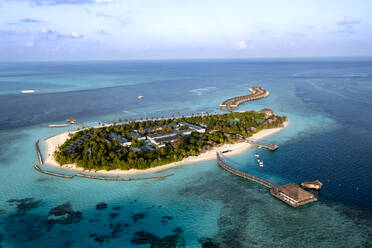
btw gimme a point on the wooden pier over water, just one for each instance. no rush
(232, 103)
(291, 194)
(73, 121)
(271, 147)
(223, 162)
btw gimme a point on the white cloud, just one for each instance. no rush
(55, 49)
(75, 35)
(102, 1)
(347, 24)
(102, 32)
(348, 20)
(240, 45)
(30, 44)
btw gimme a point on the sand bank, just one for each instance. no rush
(53, 142)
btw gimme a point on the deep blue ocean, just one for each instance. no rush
(329, 138)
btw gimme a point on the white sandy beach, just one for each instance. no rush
(53, 142)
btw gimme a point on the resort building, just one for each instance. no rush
(71, 149)
(195, 128)
(124, 141)
(136, 134)
(292, 194)
(159, 140)
(268, 112)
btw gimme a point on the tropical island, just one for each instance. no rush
(143, 144)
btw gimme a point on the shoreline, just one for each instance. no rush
(53, 142)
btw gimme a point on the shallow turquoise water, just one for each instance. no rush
(205, 203)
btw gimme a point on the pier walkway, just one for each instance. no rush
(271, 147)
(291, 194)
(73, 121)
(223, 162)
(232, 103)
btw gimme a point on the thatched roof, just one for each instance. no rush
(295, 192)
(312, 185)
(266, 110)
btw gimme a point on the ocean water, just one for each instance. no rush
(329, 138)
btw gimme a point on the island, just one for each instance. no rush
(149, 143)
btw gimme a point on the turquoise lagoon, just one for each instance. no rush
(328, 138)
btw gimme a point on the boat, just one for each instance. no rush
(257, 155)
(261, 164)
(27, 91)
(140, 97)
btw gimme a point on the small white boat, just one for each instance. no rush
(261, 164)
(257, 155)
(27, 91)
(140, 97)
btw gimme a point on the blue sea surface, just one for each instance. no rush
(329, 138)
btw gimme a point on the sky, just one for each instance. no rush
(52, 30)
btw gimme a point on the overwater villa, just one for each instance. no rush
(292, 194)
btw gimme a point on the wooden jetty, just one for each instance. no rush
(121, 179)
(58, 125)
(38, 152)
(73, 121)
(232, 103)
(291, 194)
(271, 147)
(50, 173)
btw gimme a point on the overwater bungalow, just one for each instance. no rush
(292, 194)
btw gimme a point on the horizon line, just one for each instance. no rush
(193, 59)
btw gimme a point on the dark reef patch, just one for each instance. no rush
(116, 231)
(235, 210)
(62, 214)
(138, 216)
(165, 219)
(101, 205)
(208, 243)
(113, 215)
(44, 179)
(117, 208)
(170, 241)
(22, 228)
(24, 205)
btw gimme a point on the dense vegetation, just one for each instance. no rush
(101, 151)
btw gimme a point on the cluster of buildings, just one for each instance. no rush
(160, 139)
(71, 148)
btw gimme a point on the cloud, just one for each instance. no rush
(18, 31)
(347, 24)
(296, 34)
(240, 45)
(55, 49)
(29, 20)
(61, 2)
(51, 34)
(348, 20)
(30, 44)
(102, 32)
(102, 14)
(75, 35)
